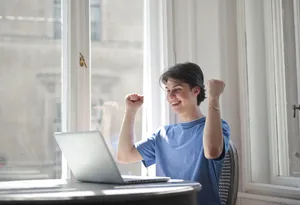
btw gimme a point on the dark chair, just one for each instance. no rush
(229, 179)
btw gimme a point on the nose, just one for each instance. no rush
(171, 95)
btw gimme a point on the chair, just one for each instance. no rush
(229, 179)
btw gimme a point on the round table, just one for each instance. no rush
(72, 192)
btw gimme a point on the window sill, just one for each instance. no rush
(269, 199)
(267, 192)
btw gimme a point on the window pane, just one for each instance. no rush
(95, 19)
(117, 69)
(290, 57)
(30, 74)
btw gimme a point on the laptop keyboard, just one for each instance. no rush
(137, 181)
(140, 179)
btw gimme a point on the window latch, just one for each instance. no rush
(295, 107)
(82, 61)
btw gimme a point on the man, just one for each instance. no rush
(193, 149)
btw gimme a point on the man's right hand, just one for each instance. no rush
(127, 152)
(134, 101)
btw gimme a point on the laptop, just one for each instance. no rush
(90, 159)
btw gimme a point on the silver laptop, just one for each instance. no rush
(90, 160)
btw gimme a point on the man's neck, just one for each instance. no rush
(191, 114)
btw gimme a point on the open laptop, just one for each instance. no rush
(90, 160)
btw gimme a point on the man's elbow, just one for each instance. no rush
(122, 159)
(213, 152)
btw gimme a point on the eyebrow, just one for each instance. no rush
(178, 84)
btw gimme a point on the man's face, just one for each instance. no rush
(180, 95)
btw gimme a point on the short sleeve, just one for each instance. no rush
(226, 138)
(146, 148)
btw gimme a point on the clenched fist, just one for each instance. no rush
(134, 101)
(215, 88)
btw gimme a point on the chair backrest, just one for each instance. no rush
(229, 179)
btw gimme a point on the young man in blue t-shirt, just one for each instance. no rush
(192, 149)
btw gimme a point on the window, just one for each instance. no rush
(270, 68)
(95, 19)
(57, 19)
(291, 42)
(37, 100)
(117, 70)
(30, 89)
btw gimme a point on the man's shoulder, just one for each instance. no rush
(165, 129)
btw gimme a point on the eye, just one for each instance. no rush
(177, 90)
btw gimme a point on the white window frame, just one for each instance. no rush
(256, 137)
(76, 80)
(158, 55)
(275, 54)
(297, 41)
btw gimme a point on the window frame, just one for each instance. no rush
(272, 56)
(76, 82)
(158, 55)
(297, 41)
(280, 158)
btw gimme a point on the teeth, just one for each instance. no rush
(175, 103)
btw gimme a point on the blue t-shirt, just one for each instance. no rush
(177, 151)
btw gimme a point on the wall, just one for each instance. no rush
(214, 32)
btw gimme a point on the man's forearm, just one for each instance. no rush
(213, 137)
(126, 139)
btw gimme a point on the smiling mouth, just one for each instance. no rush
(174, 104)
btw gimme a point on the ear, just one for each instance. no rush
(196, 90)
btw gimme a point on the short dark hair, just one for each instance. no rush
(189, 73)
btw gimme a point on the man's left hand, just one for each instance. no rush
(215, 88)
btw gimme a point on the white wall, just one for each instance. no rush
(212, 28)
